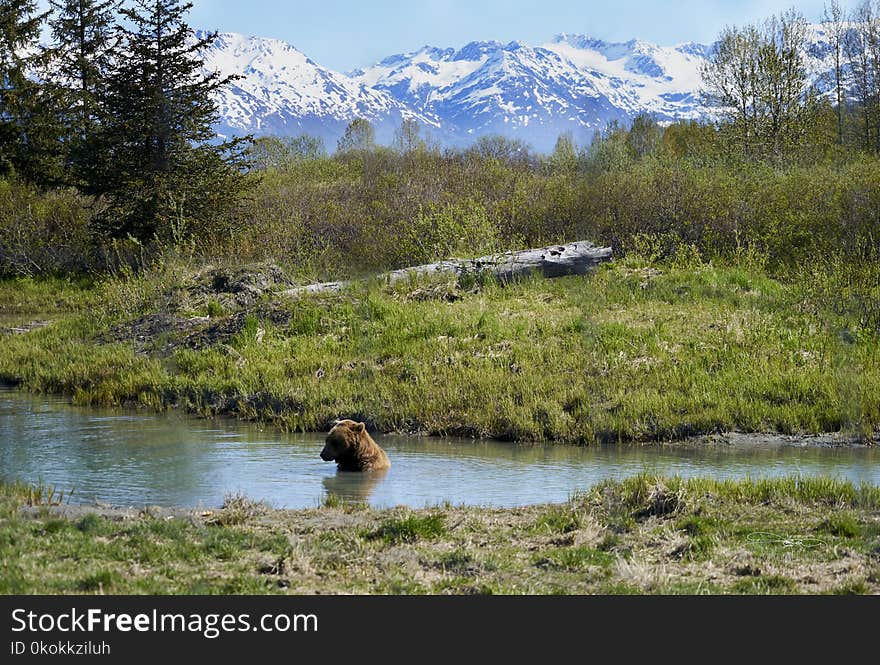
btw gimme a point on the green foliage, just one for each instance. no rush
(845, 283)
(574, 558)
(102, 581)
(764, 585)
(282, 153)
(83, 52)
(408, 137)
(758, 537)
(646, 352)
(36, 494)
(564, 518)
(608, 152)
(564, 158)
(779, 184)
(30, 129)
(457, 229)
(43, 233)
(91, 524)
(238, 509)
(843, 525)
(863, 57)
(342, 216)
(757, 75)
(167, 177)
(502, 150)
(410, 529)
(643, 137)
(359, 135)
(636, 493)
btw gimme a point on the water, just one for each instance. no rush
(135, 459)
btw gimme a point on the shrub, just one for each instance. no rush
(43, 233)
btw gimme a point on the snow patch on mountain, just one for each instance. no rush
(571, 83)
(280, 90)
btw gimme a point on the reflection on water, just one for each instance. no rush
(135, 459)
(353, 486)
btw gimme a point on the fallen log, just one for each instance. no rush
(575, 258)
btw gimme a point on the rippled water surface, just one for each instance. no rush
(134, 459)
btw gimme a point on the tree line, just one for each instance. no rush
(118, 107)
(757, 81)
(106, 133)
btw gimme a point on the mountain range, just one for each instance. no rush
(571, 83)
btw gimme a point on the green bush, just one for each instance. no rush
(374, 210)
(43, 233)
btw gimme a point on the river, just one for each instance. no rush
(136, 459)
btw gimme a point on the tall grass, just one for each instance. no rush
(36, 494)
(639, 494)
(638, 351)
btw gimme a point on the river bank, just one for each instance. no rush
(635, 352)
(643, 535)
(130, 457)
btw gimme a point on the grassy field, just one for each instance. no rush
(643, 535)
(637, 351)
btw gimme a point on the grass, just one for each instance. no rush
(636, 352)
(48, 295)
(787, 536)
(238, 509)
(38, 494)
(410, 529)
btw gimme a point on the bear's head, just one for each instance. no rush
(342, 441)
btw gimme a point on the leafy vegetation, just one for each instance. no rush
(792, 535)
(787, 178)
(117, 107)
(144, 265)
(641, 350)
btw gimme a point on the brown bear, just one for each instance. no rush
(353, 449)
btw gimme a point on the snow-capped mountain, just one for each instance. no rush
(572, 83)
(282, 92)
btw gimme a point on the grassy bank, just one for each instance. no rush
(642, 535)
(638, 351)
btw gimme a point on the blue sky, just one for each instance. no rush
(344, 34)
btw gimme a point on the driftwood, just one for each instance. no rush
(576, 258)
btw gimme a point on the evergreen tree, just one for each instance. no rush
(29, 129)
(83, 53)
(166, 175)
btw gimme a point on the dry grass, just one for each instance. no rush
(238, 509)
(695, 537)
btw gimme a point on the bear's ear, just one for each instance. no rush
(359, 427)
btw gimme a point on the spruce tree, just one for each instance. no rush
(167, 176)
(29, 127)
(84, 36)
